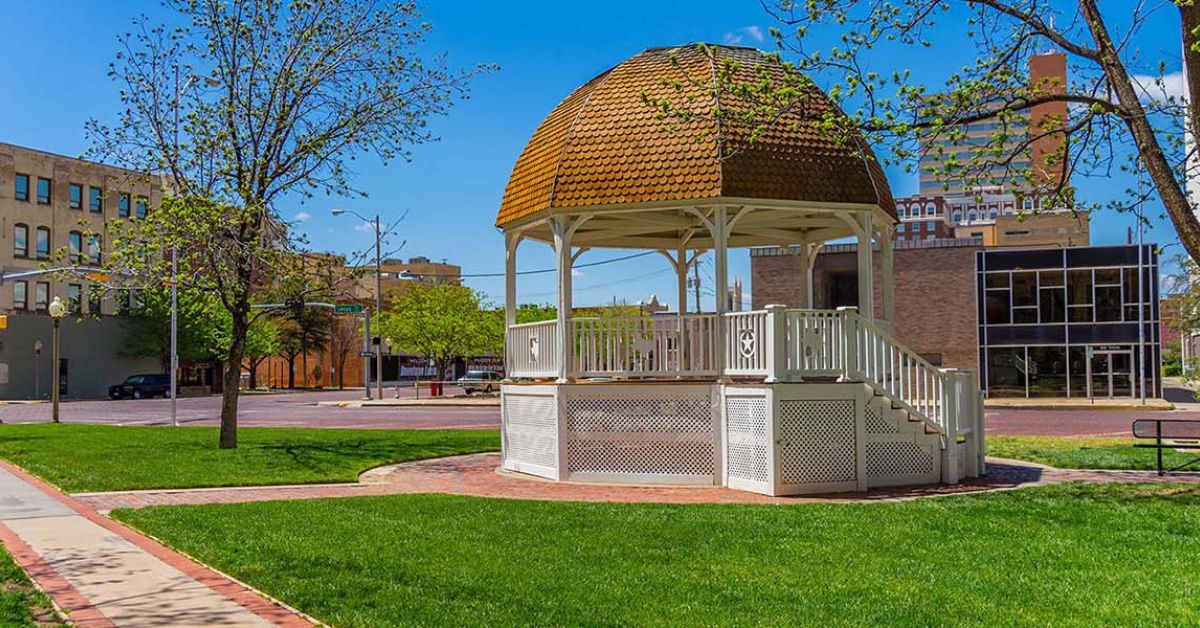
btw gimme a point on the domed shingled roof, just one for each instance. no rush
(604, 145)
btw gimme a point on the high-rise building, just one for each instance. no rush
(1047, 74)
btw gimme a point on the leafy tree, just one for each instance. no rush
(148, 328)
(861, 50)
(280, 97)
(262, 342)
(345, 342)
(441, 322)
(301, 330)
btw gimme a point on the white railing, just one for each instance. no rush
(902, 376)
(777, 344)
(645, 346)
(531, 350)
(815, 343)
(746, 343)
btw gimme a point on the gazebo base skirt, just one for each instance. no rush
(774, 439)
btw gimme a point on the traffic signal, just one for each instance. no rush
(3, 322)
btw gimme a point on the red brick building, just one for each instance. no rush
(934, 284)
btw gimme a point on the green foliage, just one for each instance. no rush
(443, 322)
(202, 326)
(110, 458)
(240, 103)
(22, 603)
(1067, 555)
(1100, 121)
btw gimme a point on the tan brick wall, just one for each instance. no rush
(935, 295)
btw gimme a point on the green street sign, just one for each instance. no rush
(348, 308)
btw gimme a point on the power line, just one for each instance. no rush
(541, 271)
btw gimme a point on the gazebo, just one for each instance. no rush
(778, 401)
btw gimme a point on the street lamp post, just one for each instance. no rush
(57, 312)
(37, 368)
(179, 90)
(378, 293)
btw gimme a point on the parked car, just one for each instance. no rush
(141, 386)
(480, 381)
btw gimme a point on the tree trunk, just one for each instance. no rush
(253, 383)
(304, 383)
(1150, 151)
(233, 372)
(291, 374)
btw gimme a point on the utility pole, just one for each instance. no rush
(696, 283)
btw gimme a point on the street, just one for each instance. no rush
(300, 409)
(295, 409)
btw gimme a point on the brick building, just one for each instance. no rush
(934, 292)
(56, 211)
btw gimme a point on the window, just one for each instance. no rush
(900, 228)
(43, 191)
(41, 295)
(95, 199)
(43, 242)
(123, 205)
(75, 247)
(21, 187)
(1027, 204)
(971, 217)
(21, 240)
(94, 249)
(76, 196)
(992, 215)
(74, 298)
(141, 207)
(95, 298)
(21, 295)
(930, 209)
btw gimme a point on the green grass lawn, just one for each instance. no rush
(80, 458)
(22, 604)
(1056, 555)
(1083, 452)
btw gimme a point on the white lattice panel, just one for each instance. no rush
(641, 436)
(876, 424)
(531, 429)
(899, 458)
(640, 414)
(816, 442)
(748, 439)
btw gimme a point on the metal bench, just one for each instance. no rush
(1178, 431)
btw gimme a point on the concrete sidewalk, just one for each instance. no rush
(104, 574)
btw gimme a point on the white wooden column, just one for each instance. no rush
(720, 236)
(511, 241)
(682, 265)
(887, 280)
(808, 261)
(560, 226)
(866, 288)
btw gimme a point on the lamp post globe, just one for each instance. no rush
(57, 311)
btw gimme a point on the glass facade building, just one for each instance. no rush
(1063, 322)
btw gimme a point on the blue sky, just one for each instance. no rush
(55, 80)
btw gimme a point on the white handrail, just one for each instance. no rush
(645, 346)
(531, 349)
(896, 372)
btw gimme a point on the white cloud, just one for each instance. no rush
(575, 272)
(1169, 85)
(754, 33)
(302, 216)
(365, 227)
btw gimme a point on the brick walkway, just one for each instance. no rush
(477, 475)
(101, 573)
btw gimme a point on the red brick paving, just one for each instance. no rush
(477, 475)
